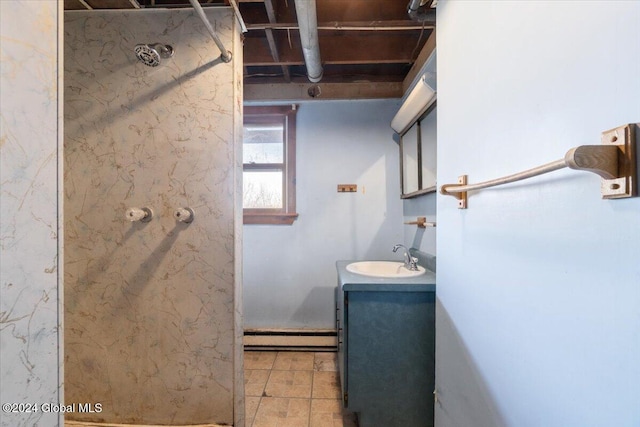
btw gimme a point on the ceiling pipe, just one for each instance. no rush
(422, 11)
(308, 23)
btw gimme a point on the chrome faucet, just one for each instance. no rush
(410, 263)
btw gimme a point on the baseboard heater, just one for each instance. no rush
(290, 339)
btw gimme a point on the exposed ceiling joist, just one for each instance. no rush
(271, 14)
(369, 48)
(326, 91)
(389, 49)
(394, 25)
(420, 61)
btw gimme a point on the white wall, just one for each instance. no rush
(538, 282)
(289, 271)
(30, 320)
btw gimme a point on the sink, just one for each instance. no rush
(386, 269)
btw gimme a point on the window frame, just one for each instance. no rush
(286, 116)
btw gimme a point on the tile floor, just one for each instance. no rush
(293, 389)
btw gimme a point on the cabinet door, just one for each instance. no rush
(342, 342)
(391, 357)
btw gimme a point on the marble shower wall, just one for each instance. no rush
(29, 153)
(151, 309)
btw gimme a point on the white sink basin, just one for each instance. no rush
(387, 269)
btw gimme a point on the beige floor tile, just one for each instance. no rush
(279, 387)
(255, 381)
(289, 384)
(250, 407)
(329, 413)
(326, 385)
(294, 361)
(259, 359)
(282, 412)
(320, 406)
(325, 362)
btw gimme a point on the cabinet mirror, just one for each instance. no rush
(418, 156)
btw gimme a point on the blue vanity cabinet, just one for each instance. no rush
(340, 321)
(386, 348)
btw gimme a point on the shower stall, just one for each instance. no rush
(152, 218)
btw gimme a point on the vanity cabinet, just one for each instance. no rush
(386, 348)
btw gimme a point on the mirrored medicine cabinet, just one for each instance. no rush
(418, 152)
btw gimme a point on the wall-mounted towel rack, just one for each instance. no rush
(421, 222)
(614, 161)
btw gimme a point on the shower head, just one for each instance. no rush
(150, 54)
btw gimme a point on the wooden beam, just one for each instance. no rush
(395, 25)
(276, 57)
(110, 4)
(271, 14)
(332, 62)
(300, 91)
(364, 48)
(75, 5)
(350, 10)
(416, 69)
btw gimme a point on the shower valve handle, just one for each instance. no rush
(183, 215)
(139, 214)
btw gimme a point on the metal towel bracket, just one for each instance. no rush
(421, 222)
(614, 160)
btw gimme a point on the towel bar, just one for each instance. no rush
(614, 161)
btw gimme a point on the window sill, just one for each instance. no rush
(273, 219)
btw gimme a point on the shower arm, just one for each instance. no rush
(225, 55)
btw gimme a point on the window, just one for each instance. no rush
(269, 165)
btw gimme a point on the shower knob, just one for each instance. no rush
(183, 215)
(139, 214)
